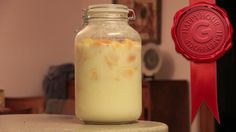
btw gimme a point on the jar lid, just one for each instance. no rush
(108, 8)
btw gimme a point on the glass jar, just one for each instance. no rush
(108, 66)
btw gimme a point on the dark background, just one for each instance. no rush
(226, 76)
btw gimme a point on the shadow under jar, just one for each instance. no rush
(108, 67)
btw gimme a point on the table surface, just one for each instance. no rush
(66, 123)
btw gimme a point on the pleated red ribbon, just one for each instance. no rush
(204, 87)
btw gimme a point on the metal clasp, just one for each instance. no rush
(131, 14)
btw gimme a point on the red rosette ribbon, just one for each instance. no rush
(202, 34)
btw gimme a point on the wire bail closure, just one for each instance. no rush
(131, 14)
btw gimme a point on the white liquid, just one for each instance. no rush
(108, 81)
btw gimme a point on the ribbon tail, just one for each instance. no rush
(204, 88)
(196, 102)
(211, 102)
(196, 91)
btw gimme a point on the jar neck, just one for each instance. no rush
(107, 13)
(106, 17)
(110, 20)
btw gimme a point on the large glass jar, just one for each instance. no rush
(108, 66)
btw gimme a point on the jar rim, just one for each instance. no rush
(108, 8)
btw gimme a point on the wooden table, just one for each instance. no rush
(65, 123)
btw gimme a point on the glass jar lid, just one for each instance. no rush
(109, 10)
